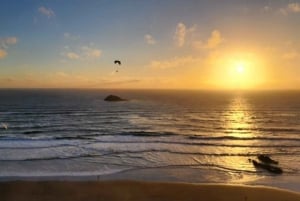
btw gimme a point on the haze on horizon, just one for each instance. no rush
(169, 44)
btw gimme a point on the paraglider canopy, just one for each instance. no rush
(117, 62)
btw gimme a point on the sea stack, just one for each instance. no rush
(114, 98)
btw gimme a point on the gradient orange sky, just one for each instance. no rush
(171, 44)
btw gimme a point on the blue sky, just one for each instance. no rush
(163, 44)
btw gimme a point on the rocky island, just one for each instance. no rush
(114, 98)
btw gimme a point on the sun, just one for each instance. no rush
(237, 71)
(240, 74)
(240, 67)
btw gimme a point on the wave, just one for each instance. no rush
(196, 140)
(147, 133)
(37, 147)
(120, 153)
(133, 133)
(32, 132)
(221, 167)
(203, 144)
(196, 137)
(156, 142)
(75, 141)
(51, 158)
(261, 129)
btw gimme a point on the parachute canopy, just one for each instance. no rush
(117, 62)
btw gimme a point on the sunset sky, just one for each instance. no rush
(191, 44)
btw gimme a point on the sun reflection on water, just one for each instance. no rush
(238, 118)
(239, 124)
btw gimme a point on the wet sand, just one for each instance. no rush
(137, 190)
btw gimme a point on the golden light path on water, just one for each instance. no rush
(238, 124)
(238, 118)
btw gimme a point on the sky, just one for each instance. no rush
(169, 44)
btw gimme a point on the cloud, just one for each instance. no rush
(61, 74)
(174, 62)
(3, 53)
(91, 53)
(72, 55)
(267, 8)
(119, 82)
(10, 40)
(186, 36)
(283, 11)
(212, 42)
(149, 39)
(180, 34)
(71, 36)
(294, 7)
(5, 43)
(46, 11)
(8, 79)
(290, 8)
(84, 53)
(291, 55)
(67, 35)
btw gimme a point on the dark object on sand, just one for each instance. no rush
(114, 98)
(266, 159)
(270, 168)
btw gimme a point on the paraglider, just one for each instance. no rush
(117, 62)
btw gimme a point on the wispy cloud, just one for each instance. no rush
(3, 53)
(46, 11)
(174, 62)
(294, 7)
(90, 53)
(10, 40)
(212, 42)
(71, 36)
(290, 8)
(83, 53)
(72, 55)
(291, 55)
(61, 74)
(5, 43)
(187, 36)
(149, 39)
(118, 82)
(267, 8)
(180, 34)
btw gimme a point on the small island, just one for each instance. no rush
(114, 98)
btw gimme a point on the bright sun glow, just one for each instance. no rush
(240, 75)
(240, 67)
(243, 70)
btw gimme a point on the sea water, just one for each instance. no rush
(76, 133)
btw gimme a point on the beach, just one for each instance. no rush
(141, 191)
(150, 100)
(156, 136)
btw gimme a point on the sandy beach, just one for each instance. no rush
(135, 190)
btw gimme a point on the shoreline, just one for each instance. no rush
(173, 174)
(138, 190)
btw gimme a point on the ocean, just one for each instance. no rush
(211, 134)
